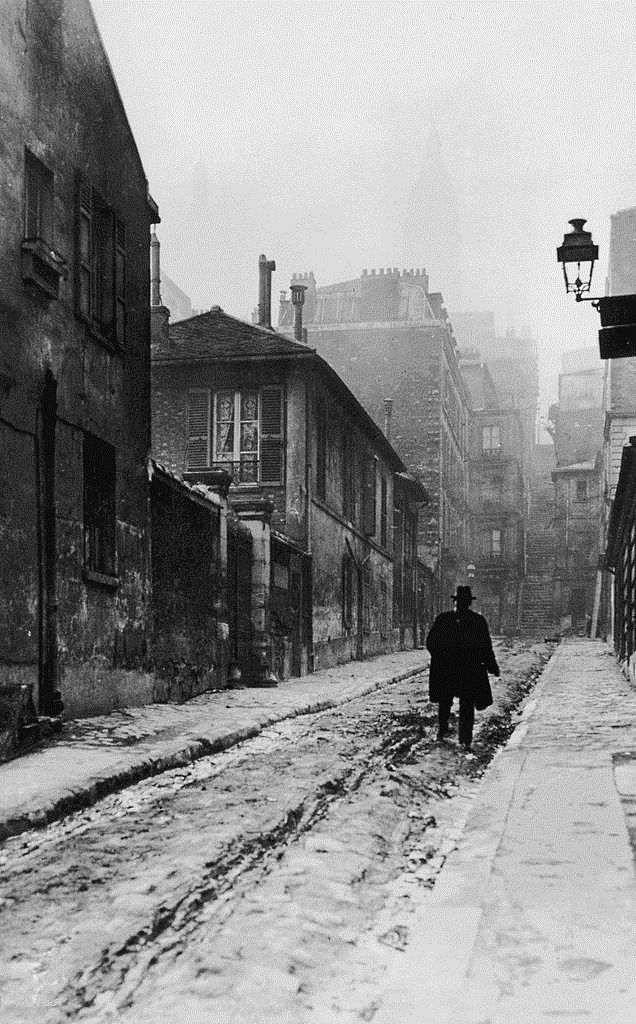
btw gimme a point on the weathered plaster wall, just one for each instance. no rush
(190, 630)
(59, 100)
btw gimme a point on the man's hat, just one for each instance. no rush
(464, 595)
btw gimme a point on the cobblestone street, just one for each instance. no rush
(263, 883)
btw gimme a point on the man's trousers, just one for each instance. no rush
(466, 717)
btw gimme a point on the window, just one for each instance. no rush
(490, 439)
(384, 514)
(41, 265)
(101, 266)
(241, 431)
(347, 593)
(321, 452)
(581, 490)
(38, 200)
(348, 480)
(369, 507)
(495, 543)
(99, 506)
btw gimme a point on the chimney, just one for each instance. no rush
(265, 268)
(159, 314)
(388, 414)
(155, 274)
(298, 301)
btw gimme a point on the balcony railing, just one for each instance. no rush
(246, 471)
(494, 453)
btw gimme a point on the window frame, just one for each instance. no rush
(99, 507)
(237, 458)
(236, 429)
(494, 429)
(100, 266)
(38, 199)
(496, 545)
(384, 511)
(322, 451)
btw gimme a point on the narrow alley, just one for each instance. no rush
(240, 887)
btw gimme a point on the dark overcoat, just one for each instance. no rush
(461, 657)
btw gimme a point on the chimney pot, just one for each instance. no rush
(388, 413)
(381, 271)
(298, 300)
(364, 273)
(155, 272)
(265, 268)
(373, 272)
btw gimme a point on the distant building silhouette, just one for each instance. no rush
(431, 224)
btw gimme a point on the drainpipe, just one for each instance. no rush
(50, 698)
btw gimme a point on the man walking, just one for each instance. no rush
(461, 658)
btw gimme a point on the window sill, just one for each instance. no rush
(102, 339)
(42, 266)
(102, 579)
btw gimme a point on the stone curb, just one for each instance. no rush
(472, 859)
(174, 754)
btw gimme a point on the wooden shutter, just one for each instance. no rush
(84, 250)
(272, 461)
(369, 511)
(120, 282)
(198, 456)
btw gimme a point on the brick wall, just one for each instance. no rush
(405, 363)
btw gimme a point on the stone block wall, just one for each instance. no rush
(62, 380)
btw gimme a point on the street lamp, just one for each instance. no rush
(617, 337)
(578, 248)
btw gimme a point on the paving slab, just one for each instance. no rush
(533, 917)
(96, 756)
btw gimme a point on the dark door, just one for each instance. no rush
(239, 585)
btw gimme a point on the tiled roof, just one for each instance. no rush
(214, 335)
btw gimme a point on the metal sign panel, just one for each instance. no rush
(617, 342)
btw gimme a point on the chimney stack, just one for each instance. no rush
(265, 269)
(388, 414)
(298, 301)
(159, 314)
(155, 273)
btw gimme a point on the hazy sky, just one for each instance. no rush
(304, 124)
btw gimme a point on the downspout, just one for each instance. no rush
(359, 564)
(49, 697)
(308, 537)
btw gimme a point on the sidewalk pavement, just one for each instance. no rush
(96, 756)
(533, 917)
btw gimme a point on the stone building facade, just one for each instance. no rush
(619, 404)
(315, 480)
(74, 368)
(577, 429)
(389, 338)
(497, 499)
(513, 363)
